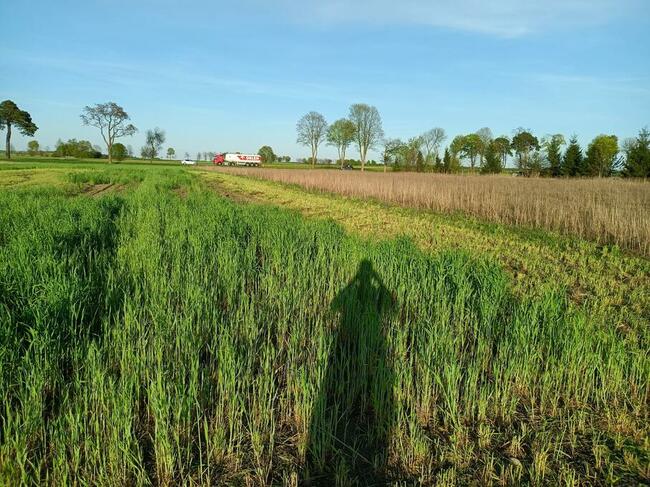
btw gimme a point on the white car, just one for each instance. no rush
(188, 162)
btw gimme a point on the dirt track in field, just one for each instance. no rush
(96, 190)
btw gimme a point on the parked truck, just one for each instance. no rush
(236, 159)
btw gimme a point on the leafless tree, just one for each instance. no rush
(312, 129)
(111, 120)
(628, 144)
(155, 139)
(485, 134)
(368, 128)
(392, 152)
(431, 142)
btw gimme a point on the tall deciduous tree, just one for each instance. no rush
(411, 154)
(32, 147)
(537, 163)
(601, 156)
(392, 152)
(502, 148)
(524, 144)
(471, 148)
(119, 151)
(12, 116)
(340, 135)
(312, 129)
(456, 146)
(485, 134)
(369, 131)
(637, 156)
(154, 140)
(145, 152)
(414, 151)
(267, 154)
(552, 145)
(431, 142)
(81, 149)
(111, 120)
(171, 153)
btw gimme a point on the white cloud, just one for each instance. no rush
(504, 18)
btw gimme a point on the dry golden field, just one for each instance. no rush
(608, 211)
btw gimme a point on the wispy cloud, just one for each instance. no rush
(178, 75)
(601, 84)
(504, 18)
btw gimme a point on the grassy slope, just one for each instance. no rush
(608, 282)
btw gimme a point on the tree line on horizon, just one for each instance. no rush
(551, 155)
(111, 120)
(545, 156)
(481, 150)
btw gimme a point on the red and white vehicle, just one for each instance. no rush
(235, 159)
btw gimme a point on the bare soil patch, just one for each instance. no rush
(96, 190)
(236, 196)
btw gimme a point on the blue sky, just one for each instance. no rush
(238, 75)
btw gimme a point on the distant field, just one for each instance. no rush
(177, 326)
(57, 161)
(72, 161)
(608, 211)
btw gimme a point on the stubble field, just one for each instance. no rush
(605, 210)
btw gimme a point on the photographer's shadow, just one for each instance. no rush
(353, 413)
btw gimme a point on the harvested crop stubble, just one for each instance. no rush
(608, 211)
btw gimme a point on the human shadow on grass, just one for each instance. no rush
(354, 412)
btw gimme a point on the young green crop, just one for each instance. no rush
(168, 337)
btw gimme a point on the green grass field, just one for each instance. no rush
(164, 325)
